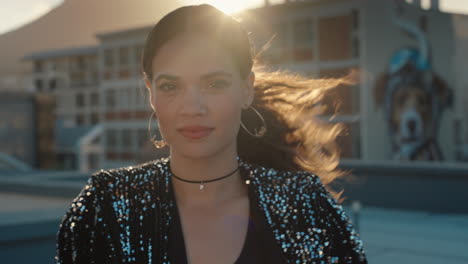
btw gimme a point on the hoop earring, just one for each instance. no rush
(263, 129)
(157, 143)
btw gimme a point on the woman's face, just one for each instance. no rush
(198, 95)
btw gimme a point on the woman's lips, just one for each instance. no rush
(196, 133)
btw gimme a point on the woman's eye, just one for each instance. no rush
(166, 87)
(218, 84)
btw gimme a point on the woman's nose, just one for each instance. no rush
(193, 102)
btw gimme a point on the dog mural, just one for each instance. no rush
(413, 99)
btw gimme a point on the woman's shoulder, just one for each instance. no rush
(291, 179)
(138, 175)
(316, 209)
(121, 185)
(107, 201)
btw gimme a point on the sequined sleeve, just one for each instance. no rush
(80, 235)
(339, 241)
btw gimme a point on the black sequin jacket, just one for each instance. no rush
(123, 216)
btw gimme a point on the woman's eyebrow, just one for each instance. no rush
(166, 76)
(204, 76)
(216, 73)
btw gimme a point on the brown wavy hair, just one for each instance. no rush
(297, 138)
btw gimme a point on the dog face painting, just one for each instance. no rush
(413, 96)
(414, 99)
(411, 114)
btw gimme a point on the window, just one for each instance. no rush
(111, 138)
(355, 47)
(141, 95)
(127, 138)
(59, 65)
(81, 63)
(109, 58)
(38, 84)
(142, 137)
(355, 33)
(355, 17)
(122, 99)
(94, 99)
(77, 79)
(110, 99)
(123, 56)
(38, 66)
(94, 118)
(278, 51)
(303, 40)
(79, 100)
(303, 32)
(124, 71)
(335, 37)
(138, 54)
(129, 104)
(94, 77)
(280, 31)
(93, 161)
(52, 84)
(80, 119)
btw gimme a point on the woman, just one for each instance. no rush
(225, 194)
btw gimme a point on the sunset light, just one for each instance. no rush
(228, 7)
(234, 131)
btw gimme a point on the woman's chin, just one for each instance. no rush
(195, 151)
(200, 151)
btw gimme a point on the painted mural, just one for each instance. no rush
(413, 98)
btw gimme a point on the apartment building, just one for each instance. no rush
(320, 39)
(100, 88)
(126, 109)
(328, 38)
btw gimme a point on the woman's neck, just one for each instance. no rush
(214, 193)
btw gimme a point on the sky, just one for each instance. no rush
(14, 14)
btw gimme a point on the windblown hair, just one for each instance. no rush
(291, 104)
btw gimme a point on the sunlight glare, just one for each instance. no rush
(229, 6)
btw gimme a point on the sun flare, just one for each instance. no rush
(229, 6)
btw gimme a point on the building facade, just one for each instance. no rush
(101, 87)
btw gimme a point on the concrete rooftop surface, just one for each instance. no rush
(395, 236)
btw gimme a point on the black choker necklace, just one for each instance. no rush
(202, 186)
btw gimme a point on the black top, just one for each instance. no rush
(126, 215)
(259, 245)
